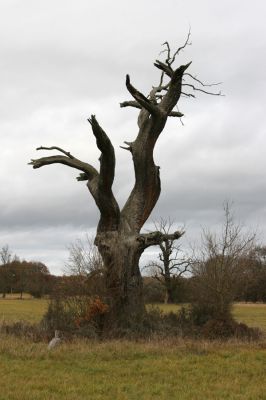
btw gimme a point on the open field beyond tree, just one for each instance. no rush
(32, 310)
(28, 309)
(169, 369)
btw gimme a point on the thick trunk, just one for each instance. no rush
(121, 253)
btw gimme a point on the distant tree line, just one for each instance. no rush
(230, 268)
(20, 277)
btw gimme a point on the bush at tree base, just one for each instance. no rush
(80, 315)
(85, 318)
(226, 328)
(194, 323)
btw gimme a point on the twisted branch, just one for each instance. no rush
(72, 162)
(99, 183)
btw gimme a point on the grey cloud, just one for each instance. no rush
(61, 61)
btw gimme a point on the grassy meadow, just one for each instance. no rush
(121, 370)
(125, 370)
(27, 309)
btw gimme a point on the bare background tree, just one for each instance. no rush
(118, 238)
(85, 269)
(172, 263)
(84, 258)
(219, 267)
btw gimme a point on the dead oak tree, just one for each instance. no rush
(118, 237)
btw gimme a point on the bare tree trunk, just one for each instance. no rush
(166, 297)
(121, 254)
(169, 297)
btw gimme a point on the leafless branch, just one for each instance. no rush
(67, 153)
(130, 103)
(187, 43)
(172, 95)
(157, 237)
(167, 50)
(184, 94)
(163, 67)
(71, 162)
(129, 148)
(200, 82)
(141, 99)
(135, 104)
(202, 90)
(103, 194)
(171, 59)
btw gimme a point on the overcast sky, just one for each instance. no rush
(62, 60)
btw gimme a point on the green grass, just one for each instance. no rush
(251, 314)
(28, 309)
(119, 370)
(126, 370)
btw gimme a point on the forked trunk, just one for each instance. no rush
(124, 289)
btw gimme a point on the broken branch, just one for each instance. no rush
(157, 237)
(141, 99)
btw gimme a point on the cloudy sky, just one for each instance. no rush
(62, 60)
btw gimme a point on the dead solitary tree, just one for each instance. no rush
(118, 238)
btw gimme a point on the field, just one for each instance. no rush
(28, 309)
(32, 310)
(120, 370)
(249, 313)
